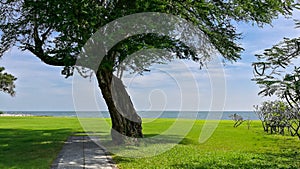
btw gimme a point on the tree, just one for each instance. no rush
(276, 74)
(55, 31)
(238, 119)
(7, 82)
(278, 115)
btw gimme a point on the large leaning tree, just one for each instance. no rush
(55, 31)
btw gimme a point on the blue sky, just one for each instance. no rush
(167, 87)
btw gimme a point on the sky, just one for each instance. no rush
(179, 85)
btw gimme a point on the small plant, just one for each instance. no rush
(248, 123)
(238, 119)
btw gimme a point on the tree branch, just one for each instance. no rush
(44, 35)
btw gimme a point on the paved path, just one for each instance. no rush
(80, 152)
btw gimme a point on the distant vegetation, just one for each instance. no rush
(279, 117)
(7, 82)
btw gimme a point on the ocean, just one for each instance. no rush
(144, 114)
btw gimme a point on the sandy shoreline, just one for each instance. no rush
(15, 115)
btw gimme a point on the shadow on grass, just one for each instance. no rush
(161, 139)
(170, 139)
(149, 146)
(187, 141)
(148, 139)
(20, 148)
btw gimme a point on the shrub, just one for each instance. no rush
(276, 116)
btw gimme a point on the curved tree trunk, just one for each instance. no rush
(126, 123)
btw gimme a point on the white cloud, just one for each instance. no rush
(38, 87)
(178, 81)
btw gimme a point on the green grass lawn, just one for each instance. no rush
(227, 148)
(34, 142)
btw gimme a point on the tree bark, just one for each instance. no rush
(126, 123)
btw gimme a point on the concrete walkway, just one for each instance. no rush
(81, 152)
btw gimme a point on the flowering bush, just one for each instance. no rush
(278, 116)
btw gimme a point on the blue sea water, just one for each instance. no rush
(144, 114)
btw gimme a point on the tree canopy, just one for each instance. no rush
(55, 31)
(277, 70)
